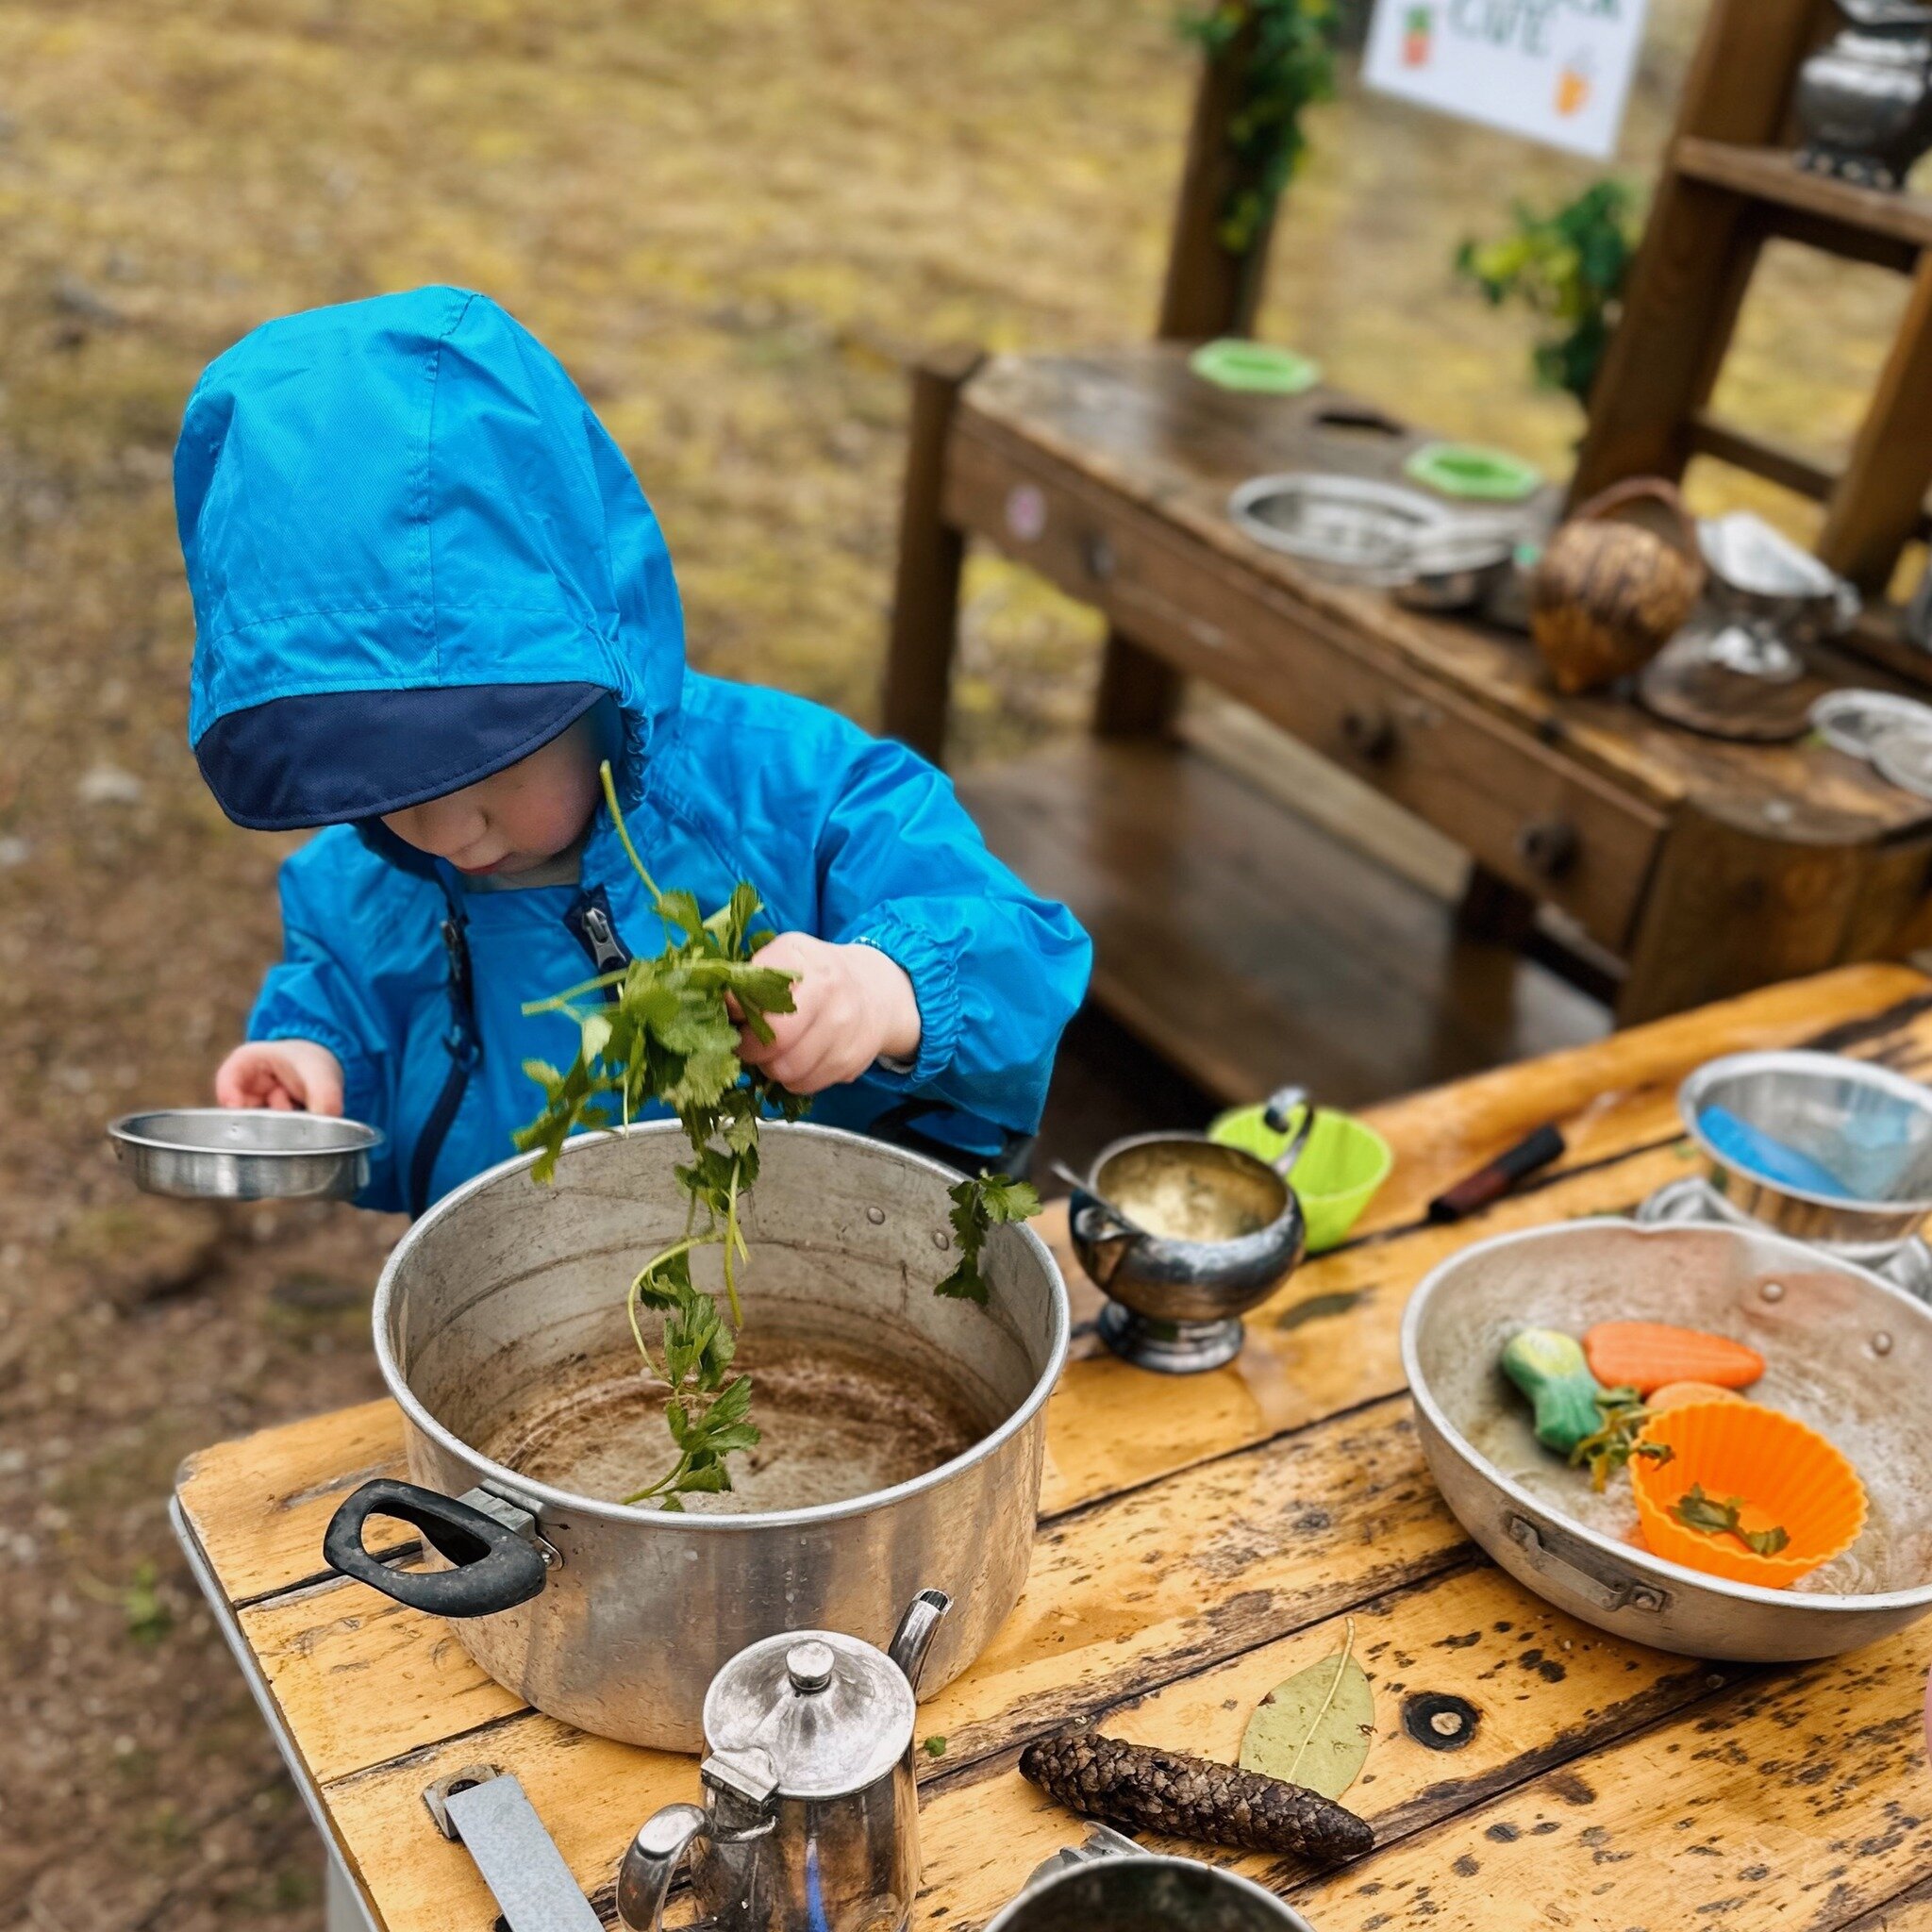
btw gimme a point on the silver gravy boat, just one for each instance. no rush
(810, 1820)
(1230, 1232)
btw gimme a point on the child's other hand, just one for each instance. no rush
(854, 1006)
(285, 1075)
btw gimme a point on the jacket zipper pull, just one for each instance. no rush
(605, 951)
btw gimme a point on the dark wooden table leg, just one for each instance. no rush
(1493, 911)
(1140, 694)
(1729, 909)
(925, 591)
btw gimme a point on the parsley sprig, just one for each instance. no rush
(667, 1029)
(978, 1207)
(1696, 1511)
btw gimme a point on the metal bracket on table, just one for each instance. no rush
(1906, 1264)
(484, 1810)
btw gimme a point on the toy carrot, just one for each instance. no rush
(1645, 1356)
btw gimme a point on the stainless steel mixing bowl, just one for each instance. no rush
(1844, 1351)
(1869, 1125)
(244, 1154)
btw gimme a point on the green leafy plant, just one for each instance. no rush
(1614, 1445)
(978, 1207)
(1569, 266)
(667, 1029)
(1696, 1511)
(1287, 50)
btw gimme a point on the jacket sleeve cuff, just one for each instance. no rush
(935, 990)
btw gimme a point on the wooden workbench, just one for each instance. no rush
(1200, 1541)
(1692, 868)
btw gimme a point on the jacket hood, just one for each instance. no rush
(415, 555)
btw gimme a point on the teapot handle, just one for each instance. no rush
(651, 1861)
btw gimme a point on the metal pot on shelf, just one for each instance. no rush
(1864, 99)
(493, 1319)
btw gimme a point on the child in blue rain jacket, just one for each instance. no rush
(429, 597)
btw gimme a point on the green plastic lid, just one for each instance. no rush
(1234, 363)
(1468, 469)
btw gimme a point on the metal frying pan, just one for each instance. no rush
(1844, 1351)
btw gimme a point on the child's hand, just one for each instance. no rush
(854, 1006)
(285, 1075)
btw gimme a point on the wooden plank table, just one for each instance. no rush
(1200, 1541)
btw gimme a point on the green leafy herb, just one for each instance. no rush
(979, 1207)
(667, 1029)
(1696, 1511)
(1614, 1445)
(935, 1747)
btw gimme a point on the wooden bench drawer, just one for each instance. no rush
(1521, 808)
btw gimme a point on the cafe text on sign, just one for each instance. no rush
(1556, 70)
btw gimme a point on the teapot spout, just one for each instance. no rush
(917, 1628)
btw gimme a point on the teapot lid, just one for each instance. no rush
(827, 1712)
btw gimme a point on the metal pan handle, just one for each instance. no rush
(496, 1568)
(1577, 1567)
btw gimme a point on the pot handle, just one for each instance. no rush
(650, 1862)
(495, 1568)
(1275, 1116)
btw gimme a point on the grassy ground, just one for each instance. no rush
(731, 222)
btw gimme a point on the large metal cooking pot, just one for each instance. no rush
(501, 1331)
(1844, 1350)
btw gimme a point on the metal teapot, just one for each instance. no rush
(810, 1821)
(1231, 1230)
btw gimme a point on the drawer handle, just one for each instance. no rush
(1369, 734)
(1548, 848)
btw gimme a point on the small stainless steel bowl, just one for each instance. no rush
(1869, 1125)
(237, 1154)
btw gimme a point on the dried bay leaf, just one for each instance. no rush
(1314, 1728)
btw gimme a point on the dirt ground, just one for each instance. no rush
(732, 223)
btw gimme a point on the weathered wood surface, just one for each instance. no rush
(1299, 962)
(1201, 1541)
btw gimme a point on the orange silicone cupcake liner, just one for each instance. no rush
(1783, 1472)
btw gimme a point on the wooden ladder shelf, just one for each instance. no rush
(1730, 183)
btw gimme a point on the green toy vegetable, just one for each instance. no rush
(1549, 1368)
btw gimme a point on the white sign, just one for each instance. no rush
(1557, 71)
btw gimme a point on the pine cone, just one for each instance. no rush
(1192, 1798)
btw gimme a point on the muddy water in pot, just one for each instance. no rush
(839, 1420)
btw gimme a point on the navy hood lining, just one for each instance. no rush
(342, 758)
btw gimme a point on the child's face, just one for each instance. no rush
(515, 818)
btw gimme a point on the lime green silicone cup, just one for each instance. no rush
(1341, 1167)
(1233, 362)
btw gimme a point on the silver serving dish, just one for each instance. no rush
(1361, 531)
(1844, 1351)
(1766, 599)
(1856, 721)
(244, 1154)
(1869, 1125)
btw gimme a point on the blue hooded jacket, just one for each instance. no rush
(415, 556)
